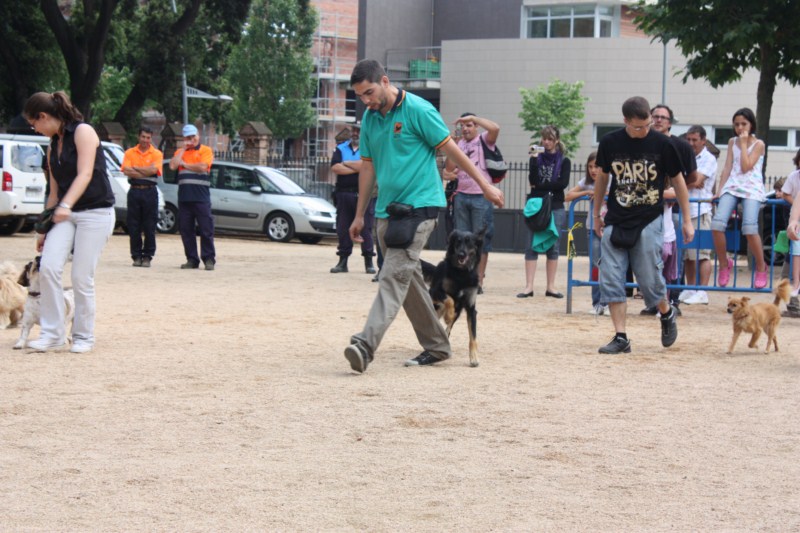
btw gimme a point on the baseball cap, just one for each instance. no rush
(189, 130)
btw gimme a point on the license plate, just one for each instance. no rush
(32, 192)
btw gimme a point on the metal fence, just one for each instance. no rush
(314, 174)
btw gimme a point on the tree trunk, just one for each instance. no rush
(766, 89)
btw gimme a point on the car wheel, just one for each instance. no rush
(10, 227)
(279, 227)
(309, 239)
(169, 222)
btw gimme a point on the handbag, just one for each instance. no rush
(44, 222)
(496, 167)
(540, 220)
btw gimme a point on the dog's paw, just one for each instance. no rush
(473, 364)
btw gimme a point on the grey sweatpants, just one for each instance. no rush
(401, 284)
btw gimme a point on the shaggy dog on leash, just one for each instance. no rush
(30, 278)
(12, 295)
(454, 283)
(757, 317)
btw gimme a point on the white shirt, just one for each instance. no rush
(706, 165)
(792, 184)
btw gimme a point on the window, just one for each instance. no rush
(600, 130)
(722, 136)
(565, 21)
(27, 158)
(778, 138)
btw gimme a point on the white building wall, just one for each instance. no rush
(484, 76)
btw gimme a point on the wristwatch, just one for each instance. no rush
(65, 205)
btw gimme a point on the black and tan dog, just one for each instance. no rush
(454, 283)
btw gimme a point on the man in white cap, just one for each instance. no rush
(193, 163)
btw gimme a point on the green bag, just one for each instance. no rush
(781, 243)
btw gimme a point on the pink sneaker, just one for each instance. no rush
(761, 279)
(725, 274)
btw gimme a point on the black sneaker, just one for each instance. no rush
(669, 328)
(649, 311)
(209, 265)
(357, 358)
(189, 265)
(617, 345)
(137, 261)
(425, 358)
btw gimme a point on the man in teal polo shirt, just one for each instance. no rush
(400, 134)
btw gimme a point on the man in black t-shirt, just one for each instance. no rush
(639, 162)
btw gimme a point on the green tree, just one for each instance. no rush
(160, 44)
(99, 48)
(29, 57)
(723, 38)
(270, 71)
(559, 104)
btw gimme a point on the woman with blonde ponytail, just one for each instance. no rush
(84, 219)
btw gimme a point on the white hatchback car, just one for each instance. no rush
(258, 199)
(23, 182)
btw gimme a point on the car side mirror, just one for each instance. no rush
(256, 189)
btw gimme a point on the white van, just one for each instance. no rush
(23, 182)
(119, 182)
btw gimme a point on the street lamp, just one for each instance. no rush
(191, 92)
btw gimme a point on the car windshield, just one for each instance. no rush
(114, 156)
(280, 180)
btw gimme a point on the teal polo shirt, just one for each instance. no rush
(402, 148)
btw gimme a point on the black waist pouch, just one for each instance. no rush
(403, 222)
(626, 235)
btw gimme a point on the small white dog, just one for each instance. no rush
(12, 295)
(31, 317)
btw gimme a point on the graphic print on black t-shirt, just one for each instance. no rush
(637, 169)
(636, 181)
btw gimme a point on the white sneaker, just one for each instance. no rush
(686, 294)
(597, 310)
(46, 345)
(81, 347)
(699, 297)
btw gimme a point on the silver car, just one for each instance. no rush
(256, 199)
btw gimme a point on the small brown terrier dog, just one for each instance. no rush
(757, 317)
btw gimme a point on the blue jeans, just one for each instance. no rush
(645, 260)
(473, 212)
(594, 241)
(727, 203)
(559, 216)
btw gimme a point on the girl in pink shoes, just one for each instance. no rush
(741, 181)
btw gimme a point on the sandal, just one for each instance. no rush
(725, 274)
(761, 279)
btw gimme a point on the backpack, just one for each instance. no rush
(495, 165)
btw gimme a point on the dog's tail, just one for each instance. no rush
(428, 270)
(782, 292)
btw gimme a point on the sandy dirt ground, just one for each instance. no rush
(221, 401)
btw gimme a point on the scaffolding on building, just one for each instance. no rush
(334, 53)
